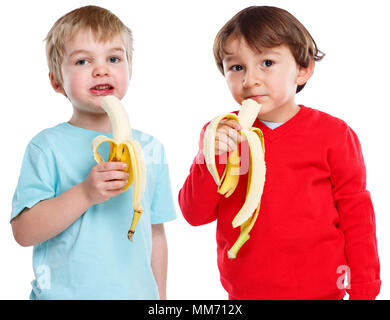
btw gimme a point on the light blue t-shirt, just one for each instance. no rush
(272, 125)
(92, 258)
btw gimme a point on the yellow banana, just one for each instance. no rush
(231, 174)
(123, 148)
(248, 213)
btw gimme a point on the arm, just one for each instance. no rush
(50, 217)
(198, 198)
(357, 218)
(159, 260)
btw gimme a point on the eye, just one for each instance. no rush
(115, 59)
(82, 62)
(236, 67)
(267, 63)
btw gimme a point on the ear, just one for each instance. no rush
(304, 74)
(56, 86)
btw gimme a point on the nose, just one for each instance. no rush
(100, 70)
(252, 78)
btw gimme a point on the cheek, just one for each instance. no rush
(233, 83)
(285, 81)
(292, 77)
(125, 76)
(74, 84)
(122, 78)
(122, 86)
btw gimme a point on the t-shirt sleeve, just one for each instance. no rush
(162, 208)
(36, 181)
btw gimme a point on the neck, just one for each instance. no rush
(281, 114)
(92, 121)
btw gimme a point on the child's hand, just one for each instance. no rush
(104, 181)
(227, 136)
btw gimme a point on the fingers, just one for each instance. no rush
(110, 177)
(224, 143)
(105, 180)
(227, 136)
(230, 132)
(230, 123)
(113, 175)
(116, 185)
(109, 166)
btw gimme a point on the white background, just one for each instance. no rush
(175, 89)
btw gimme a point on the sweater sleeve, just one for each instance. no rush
(356, 214)
(198, 198)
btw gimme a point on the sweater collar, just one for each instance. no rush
(274, 134)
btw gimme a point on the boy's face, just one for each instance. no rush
(270, 77)
(92, 70)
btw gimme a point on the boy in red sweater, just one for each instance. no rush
(316, 218)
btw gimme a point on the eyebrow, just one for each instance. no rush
(267, 51)
(82, 51)
(76, 52)
(118, 49)
(229, 57)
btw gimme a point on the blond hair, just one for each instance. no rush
(266, 27)
(103, 24)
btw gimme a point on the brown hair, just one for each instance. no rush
(103, 24)
(267, 27)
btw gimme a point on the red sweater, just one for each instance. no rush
(316, 216)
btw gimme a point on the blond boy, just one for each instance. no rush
(73, 211)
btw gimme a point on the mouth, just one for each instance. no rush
(257, 97)
(102, 89)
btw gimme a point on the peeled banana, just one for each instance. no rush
(123, 148)
(248, 213)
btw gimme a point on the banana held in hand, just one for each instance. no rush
(123, 148)
(247, 215)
